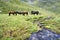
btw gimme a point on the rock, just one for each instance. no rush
(44, 34)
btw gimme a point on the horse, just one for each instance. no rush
(35, 12)
(23, 13)
(13, 12)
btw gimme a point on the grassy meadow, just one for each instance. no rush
(20, 27)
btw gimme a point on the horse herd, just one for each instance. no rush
(23, 12)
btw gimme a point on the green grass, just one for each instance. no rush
(18, 24)
(22, 26)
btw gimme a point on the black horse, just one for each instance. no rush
(35, 12)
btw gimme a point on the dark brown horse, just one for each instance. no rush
(13, 12)
(23, 13)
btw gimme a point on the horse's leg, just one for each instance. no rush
(24, 14)
(13, 13)
(36, 13)
(16, 13)
(9, 14)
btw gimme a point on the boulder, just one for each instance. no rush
(44, 34)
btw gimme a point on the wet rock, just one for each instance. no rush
(44, 34)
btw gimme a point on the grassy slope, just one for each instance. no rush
(51, 5)
(22, 26)
(14, 5)
(18, 24)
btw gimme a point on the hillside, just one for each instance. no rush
(41, 5)
(14, 5)
(51, 5)
(20, 27)
(17, 5)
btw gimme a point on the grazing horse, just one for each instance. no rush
(34, 12)
(23, 13)
(13, 12)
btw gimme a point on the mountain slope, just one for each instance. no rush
(14, 5)
(51, 5)
(20, 27)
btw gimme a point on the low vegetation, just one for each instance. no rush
(20, 27)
